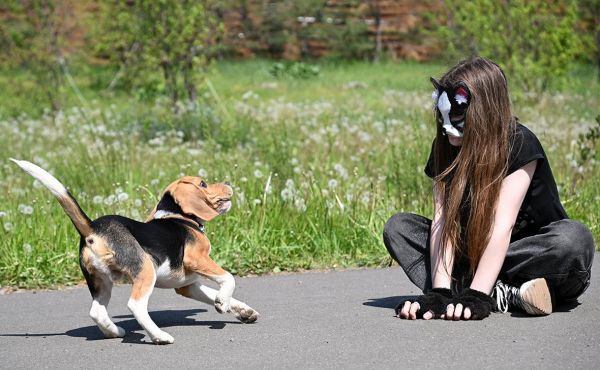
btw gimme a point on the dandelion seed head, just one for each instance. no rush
(25, 209)
(287, 194)
(109, 200)
(300, 205)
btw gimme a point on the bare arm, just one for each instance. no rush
(441, 266)
(513, 190)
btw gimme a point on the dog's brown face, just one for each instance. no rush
(199, 199)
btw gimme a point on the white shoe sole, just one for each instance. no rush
(536, 297)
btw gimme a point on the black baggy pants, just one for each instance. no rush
(562, 253)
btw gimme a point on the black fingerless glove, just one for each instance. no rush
(478, 302)
(435, 300)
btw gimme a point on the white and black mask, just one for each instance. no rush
(451, 101)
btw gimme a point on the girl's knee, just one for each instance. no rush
(395, 224)
(573, 239)
(404, 224)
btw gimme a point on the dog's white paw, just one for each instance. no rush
(119, 333)
(244, 313)
(222, 305)
(162, 337)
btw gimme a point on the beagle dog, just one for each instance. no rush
(169, 250)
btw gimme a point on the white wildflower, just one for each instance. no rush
(341, 170)
(3, 214)
(109, 200)
(287, 194)
(365, 198)
(300, 205)
(154, 182)
(25, 209)
(332, 183)
(137, 203)
(27, 248)
(258, 174)
(8, 226)
(122, 197)
(244, 179)
(202, 172)
(241, 197)
(97, 199)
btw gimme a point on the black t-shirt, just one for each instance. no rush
(541, 204)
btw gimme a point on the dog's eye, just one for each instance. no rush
(203, 184)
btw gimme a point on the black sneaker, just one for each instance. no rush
(532, 297)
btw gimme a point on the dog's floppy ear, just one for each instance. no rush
(192, 200)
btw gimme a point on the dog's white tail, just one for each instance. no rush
(82, 222)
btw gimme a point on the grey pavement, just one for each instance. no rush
(315, 320)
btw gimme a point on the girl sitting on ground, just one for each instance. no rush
(500, 238)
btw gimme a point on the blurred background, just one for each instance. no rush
(318, 112)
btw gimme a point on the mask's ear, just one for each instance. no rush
(435, 83)
(193, 201)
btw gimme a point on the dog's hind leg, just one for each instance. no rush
(100, 286)
(143, 285)
(202, 293)
(98, 312)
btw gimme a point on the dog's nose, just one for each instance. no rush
(227, 183)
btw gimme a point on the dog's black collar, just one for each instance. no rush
(193, 224)
(190, 221)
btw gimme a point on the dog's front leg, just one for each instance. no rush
(202, 293)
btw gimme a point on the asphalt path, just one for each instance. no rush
(315, 320)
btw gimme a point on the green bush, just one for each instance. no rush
(31, 38)
(175, 38)
(533, 40)
(295, 70)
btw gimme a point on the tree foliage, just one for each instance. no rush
(176, 37)
(534, 40)
(31, 37)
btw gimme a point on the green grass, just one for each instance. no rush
(341, 152)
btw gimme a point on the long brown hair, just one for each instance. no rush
(469, 181)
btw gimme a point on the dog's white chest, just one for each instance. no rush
(167, 278)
